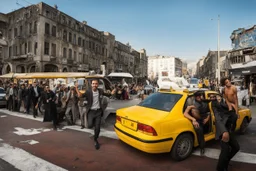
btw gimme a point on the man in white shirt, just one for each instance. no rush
(94, 108)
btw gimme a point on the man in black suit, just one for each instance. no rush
(94, 108)
(35, 94)
(224, 121)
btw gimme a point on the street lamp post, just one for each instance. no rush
(218, 62)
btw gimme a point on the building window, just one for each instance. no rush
(80, 58)
(10, 33)
(15, 32)
(83, 59)
(53, 49)
(47, 28)
(35, 27)
(75, 39)
(63, 20)
(46, 48)
(83, 43)
(15, 50)
(47, 13)
(79, 41)
(25, 48)
(75, 57)
(29, 47)
(54, 31)
(65, 35)
(30, 28)
(70, 53)
(70, 37)
(21, 49)
(35, 48)
(21, 30)
(64, 52)
(10, 51)
(69, 23)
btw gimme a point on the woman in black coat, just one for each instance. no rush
(48, 99)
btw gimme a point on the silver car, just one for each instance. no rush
(2, 97)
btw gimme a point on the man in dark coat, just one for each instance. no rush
(35, 94)
(94, 108)
(224, 120)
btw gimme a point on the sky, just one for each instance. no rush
(181, 28)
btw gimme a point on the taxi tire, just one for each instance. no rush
(244, 126)
(182, 137)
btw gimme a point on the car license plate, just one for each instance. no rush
(130, 124)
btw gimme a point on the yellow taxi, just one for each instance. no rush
(157, 124)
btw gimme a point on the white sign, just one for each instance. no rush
(245, 72)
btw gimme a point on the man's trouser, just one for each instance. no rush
(73, 110)
(94, 119)
(200, 135)
(83, 116)
(228, 151)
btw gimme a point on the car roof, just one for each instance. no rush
(187, 91)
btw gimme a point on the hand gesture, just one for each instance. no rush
(205, 120)
(195, 123)
(225, 137)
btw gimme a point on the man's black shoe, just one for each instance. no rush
(202, 152)
(82, 127)
(97, 145)
(34, 116)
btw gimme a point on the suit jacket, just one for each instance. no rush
(223, 118)
(89, 97)
(33, 94)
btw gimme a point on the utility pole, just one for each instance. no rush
(218, 60)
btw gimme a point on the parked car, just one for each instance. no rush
(2, 97)
(158, 125)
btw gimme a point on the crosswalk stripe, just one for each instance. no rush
(25, 161)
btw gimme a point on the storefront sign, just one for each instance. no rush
(246, 72)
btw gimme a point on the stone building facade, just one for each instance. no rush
(40, 38)
(207, 66)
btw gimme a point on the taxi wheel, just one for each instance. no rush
(182, 147)
(244, 126)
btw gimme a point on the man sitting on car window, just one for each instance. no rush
(199, 114)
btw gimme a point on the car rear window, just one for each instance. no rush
(161, 101)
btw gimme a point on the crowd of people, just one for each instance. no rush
(57, 104)
(124, 91)
(61, 102)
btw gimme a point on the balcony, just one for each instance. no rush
(19, 57)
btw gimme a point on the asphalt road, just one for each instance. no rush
(74, 150)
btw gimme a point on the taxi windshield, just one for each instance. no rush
(161, 101)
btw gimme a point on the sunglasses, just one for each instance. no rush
(211, 97)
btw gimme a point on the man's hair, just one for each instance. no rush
(95, 80)
(197, 93)
(222, 81)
